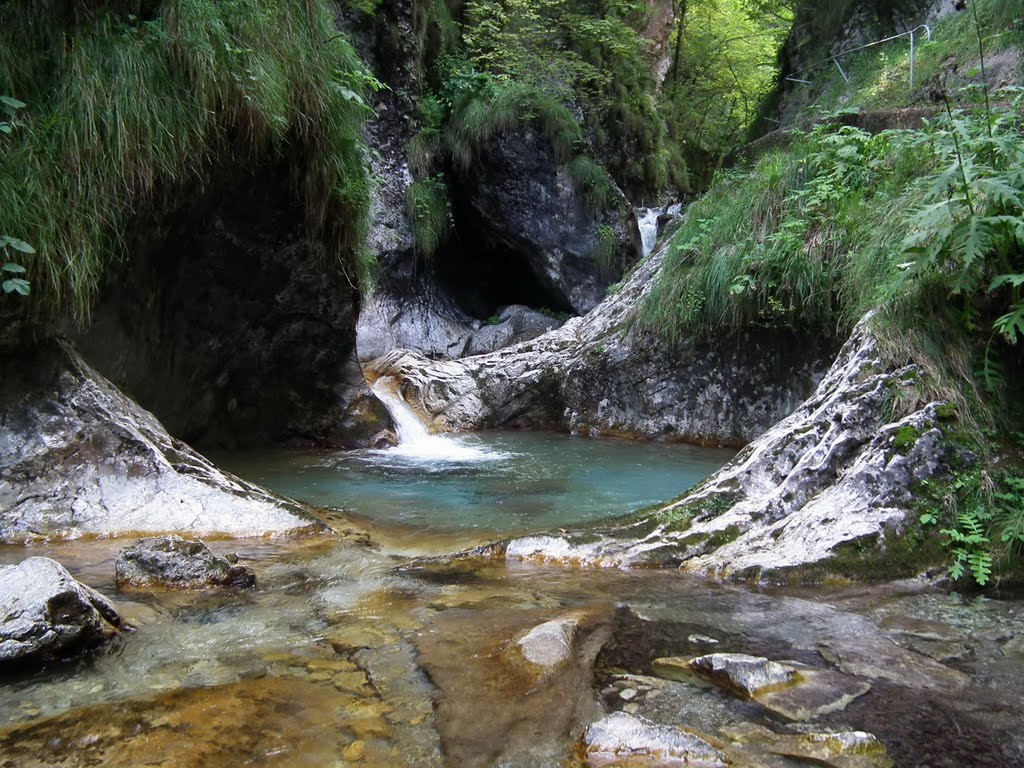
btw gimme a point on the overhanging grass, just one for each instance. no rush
(123, 108)
(495, 105)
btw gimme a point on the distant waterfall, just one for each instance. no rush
(414, 439)
(647, 220)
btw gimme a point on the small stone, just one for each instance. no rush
(354, 752)
(629, 694)
(550, 643)
(702, 639)
(746, 674)
(352, 682)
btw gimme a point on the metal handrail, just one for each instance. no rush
(835, 57)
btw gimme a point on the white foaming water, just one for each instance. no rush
(415, 443)
(647, 221)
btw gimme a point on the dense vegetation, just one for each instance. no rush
(128, 101)
(591, 77)
(926, 225)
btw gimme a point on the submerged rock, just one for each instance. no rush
(78, 457)
(843, 749)
(792, 691)
(621, 738)
(47, 614)
(551, 643)
(386, 438)
(177, 562)
(749, 675)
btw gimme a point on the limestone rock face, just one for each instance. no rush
(47, 614)
(176, 562)
(520, 201)
(839, 469)
(80, 457)
(226, 322)
(593, 376)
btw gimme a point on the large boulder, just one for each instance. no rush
(231, 324)
(80, 457)
(47, 614)
(176, 562)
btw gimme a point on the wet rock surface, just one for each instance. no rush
(176, 562)
(228, 323)
(836, 473)
(520, 203)
(79, 457)
(621, 738)
(749, 675)
(594, 376)
(350, 657)
(46, 614)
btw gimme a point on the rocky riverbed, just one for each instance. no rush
(343, 656)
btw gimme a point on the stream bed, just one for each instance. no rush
(348, 655)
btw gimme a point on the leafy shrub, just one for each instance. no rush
(125, 107)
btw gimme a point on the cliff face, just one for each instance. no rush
(227, 322)
(596, 376)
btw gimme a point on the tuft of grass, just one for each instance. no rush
(490, 105)
(430, 213)
(124, 108)
(591, 181)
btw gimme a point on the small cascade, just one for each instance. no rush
(415, 442)
(647, 221)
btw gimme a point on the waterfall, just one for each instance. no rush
(647, 221)
(414, 439)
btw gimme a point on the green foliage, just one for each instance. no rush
(430, 213)
(724, 63)
(12, 273)
(984, 520)
(579, 71)
(124, 109)
(607, 250)
(844, 221)
(879, 78)
(592, 182)
(482, 106)
(969, 224)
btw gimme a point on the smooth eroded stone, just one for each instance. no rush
(746, 674)
(621, 736)
(47, 614)
(550, 643)
(177, 562)
(842, 749)
(815, 692)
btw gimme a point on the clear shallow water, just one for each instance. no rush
(499, 482)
